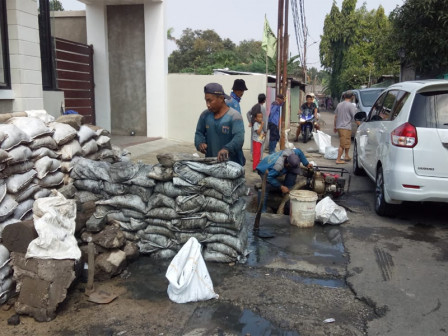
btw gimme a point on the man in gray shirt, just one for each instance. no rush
(344, 114)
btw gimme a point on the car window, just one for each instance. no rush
(388, 105)
(376, 108)
(368, 97)
(402, 97)
(430, 109)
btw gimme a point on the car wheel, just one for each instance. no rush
(357, 170)
(381, 207)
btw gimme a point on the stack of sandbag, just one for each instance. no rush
(159, 208)
(6, 280)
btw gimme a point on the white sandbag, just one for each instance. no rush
(4, 156)
(322, 140)
(188, 275)
(23, 209)
(70, 150)
(44, 151)
(33, 127)
(7, 207)
(63, 133)
(103, 141)
(328, 212)
(43, 142)
(2, 190)
(41, 114)
(89, 147)
(85, 133)
(5, 272)
(56, 229)
(15, 136)
(46, 165)
(331, 153)
(50, 180)
(19, 154)
(227, 170)
(242, 190)
(16, 183)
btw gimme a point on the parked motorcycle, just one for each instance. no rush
(307, 125)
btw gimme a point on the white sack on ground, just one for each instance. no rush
(322, 140)
(328, 212)
(54, 220)
(188, 275)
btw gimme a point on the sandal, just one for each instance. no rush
(348, 159)
(340, 162)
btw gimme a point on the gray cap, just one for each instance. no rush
(294, 164)
(216, 89)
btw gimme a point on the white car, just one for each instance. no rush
(402, 144)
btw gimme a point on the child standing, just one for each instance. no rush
(258, 136)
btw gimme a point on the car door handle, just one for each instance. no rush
(445, 144)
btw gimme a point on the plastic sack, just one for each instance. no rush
(322, 140)
(331, 153)
(328, 212)
(188, 276)
(54, 220)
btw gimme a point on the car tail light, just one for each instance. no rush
(404, 136)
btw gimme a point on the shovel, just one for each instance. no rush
(256, 230)
(96, 296)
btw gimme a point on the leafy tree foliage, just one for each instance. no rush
(356, 47)
(421, 28)
(56, 5)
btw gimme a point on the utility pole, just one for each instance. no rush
(284, 81)
(278, 86)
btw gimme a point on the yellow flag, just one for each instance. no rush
(269, 42)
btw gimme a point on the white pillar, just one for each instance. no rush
(96, 23)
(156, 69)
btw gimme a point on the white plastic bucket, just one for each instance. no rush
(302, 211)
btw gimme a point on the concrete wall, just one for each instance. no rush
(24, 54)
(126, 40)
(53, 100)
(186, 101)
(69, 25)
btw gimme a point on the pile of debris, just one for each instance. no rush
(159, 207)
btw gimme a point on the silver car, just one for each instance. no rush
(402, 144)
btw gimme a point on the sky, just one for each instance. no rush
(243, 19)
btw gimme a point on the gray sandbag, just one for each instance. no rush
(236, 225)
(163, 213)
(234, 213)
(89, 147)
(86, 169)
(187, 174)
(190, 204)
(43, 142)
(4, 156)
(33, 127)
(95, 187)
(74, 120)
(123, 171)
(126, 201)
(23, 209)
(83, 196)
(18, 168)
(94, 224)
(193, 222)
(213, 256)
(115, 189)
(28, 192)
(50, 180)
(164, 254)
(133, 214)
(160, 230)
(183, 237)
(186, 186)
(3, 135)
(14, 136)
(69, 150)
(169, 189)
(141, 177)
(161, 222)
(239, 192)
(117, 216)
(214, 229)
(222, 248)
(2, 189)
(133, 225)
(18, 182)
(143, 192)
(168, 159)
(103, 141)
(226, 170)
(238, 243)
(63, 133)
(161, 173)
(102, 211)
(7, 207)
(160, 200)
(156, 240)
(215, 205)
(19, 154)
(225, 187)
(85, 134)
(42, 193)
(42, 152)
(46, 165)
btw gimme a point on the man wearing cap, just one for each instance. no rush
(285, 162)
(238, 88)
(220, 129)
(344, 115)
(273, 122)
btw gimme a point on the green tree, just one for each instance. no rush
(421, 28)
(56, 5)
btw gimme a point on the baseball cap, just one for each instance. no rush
(216, 89)
(294, 164)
